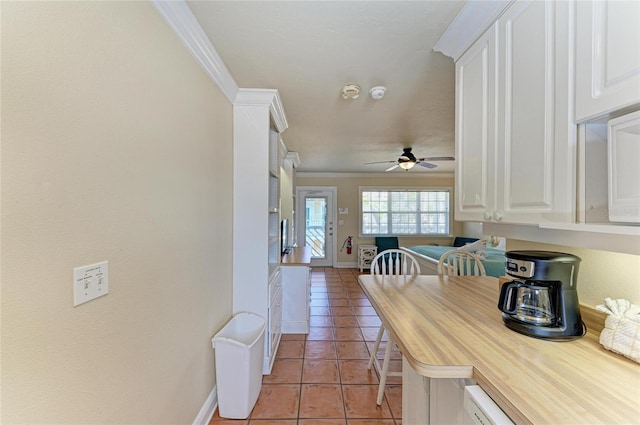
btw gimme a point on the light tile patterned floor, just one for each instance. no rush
(322, 378)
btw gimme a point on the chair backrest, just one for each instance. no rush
(460, 263)
(387, 242)
(394, 262)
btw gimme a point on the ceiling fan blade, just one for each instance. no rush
(426, 164)
(380, 162)
(392, 167)
(438, 158)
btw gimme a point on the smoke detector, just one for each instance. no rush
(377, 92)
(351, 91)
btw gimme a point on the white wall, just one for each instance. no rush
(115, 146)
(602, 274)
(472, 230)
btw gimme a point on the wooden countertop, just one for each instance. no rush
(450, 327)
(298, 256)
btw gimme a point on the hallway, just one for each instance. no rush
(322, 378)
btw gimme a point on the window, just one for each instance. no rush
(409, 211)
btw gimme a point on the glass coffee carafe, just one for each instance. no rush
(529, 302)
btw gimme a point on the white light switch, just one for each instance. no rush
(90, 282)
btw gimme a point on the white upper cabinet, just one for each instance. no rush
(607, 57)
(514, 156)
(476, 129)
(535, 180)
(624, 176)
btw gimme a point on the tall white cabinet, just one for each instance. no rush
(513, 125)
(258, 120)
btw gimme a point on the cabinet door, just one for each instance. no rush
(274, 320)
(446, 401)
(624, 175)
(527, 112)
(607, 57)
(295, 299)
(476, 129)
(415, 396)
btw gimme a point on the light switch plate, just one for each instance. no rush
(90, 282)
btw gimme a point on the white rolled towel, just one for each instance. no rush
(620, 308)
(481, 254)
(621, 333)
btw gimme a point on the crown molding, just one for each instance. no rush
(179, 17)
(294, 158)
(264, 97)
(473, 19)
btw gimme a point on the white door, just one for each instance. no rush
(315, 223)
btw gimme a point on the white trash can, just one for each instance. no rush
(239, 354)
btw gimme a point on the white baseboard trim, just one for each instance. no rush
(291, 327)
(208, 408)
(353, 265)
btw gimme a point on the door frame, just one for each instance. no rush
(331, 216)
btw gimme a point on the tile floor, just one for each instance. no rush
(322, 378)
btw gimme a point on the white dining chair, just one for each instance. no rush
(460, 263)
(389, 262)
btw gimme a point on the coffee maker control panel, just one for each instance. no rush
(520, 268)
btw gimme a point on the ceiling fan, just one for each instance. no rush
(407, 160)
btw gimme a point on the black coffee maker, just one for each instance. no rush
(542, 300)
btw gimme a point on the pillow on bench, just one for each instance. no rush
(472, 247)
(458, 242)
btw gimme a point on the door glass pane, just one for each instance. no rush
(316, 220)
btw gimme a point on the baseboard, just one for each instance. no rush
(208, 408)
(300, 327)
(353, 265)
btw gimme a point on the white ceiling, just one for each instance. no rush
(309, 49)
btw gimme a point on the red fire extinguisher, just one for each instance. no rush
(347, 244)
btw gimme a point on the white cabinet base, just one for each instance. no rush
(296, 291)
(415, 396)
(432, 401)
(274, 313)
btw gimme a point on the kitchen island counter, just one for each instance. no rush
(450, 327)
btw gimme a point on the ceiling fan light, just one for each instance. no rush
(407, 165)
